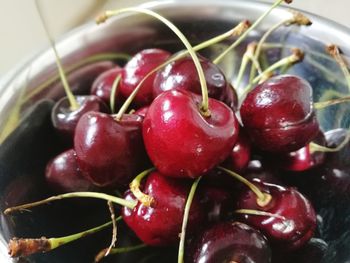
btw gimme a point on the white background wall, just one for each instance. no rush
(21, 32)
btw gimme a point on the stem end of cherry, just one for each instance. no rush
(25, 247)
(264, 200)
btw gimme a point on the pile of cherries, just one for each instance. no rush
(177, 138)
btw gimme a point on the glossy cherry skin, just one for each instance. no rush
(299, 218)
(160, 224)
(65, 120)
(102, 86)
(109, 152)
(217, 202)
(278, 114)
(63, 174)
(241, 153)
(182, 74)
(180, 141)
(231, 242)
(136, 69)
(303, 159)
(142, 111)
(334, 173)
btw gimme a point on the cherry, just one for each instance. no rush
(230, 242)
(65, 119)
(217, 202)
(160, 224)
(142, 111)
(63, 174)
(278, 114)
(241, 153)
(231, 99)
(291, 221)
(182, 74)
(109, 153)
(102, 86)
(136, 69)
(180, 141)
(304, 158)
(334, 173)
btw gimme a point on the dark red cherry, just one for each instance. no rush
(109, 152)
(334, 173)
(230, 242)
(182, 74)
(241, 153)
(160, 224)
(293, 221)
(231, 98)
(63, 174)
(65, 120)
(142, 111)
(278, 114)
(102, 86)
(304, 158)
(217, 202)
(180, 141)
(136, 69)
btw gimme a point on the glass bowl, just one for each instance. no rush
(27, 91)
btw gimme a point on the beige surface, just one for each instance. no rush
(22, 33)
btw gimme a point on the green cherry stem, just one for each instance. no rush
(247, 56)
(190, 197)
(241, 27)
(263, 199)
(324, 104)
(334, 51)
(86, 61)
(297, 18)
(146, 200)
(19, 247)
(72, 101)
(113, 92)
(205, 99)
(245, 34)
(96, 195)
(258, 213)
(118, 250)
(314, 147)
(296, 56)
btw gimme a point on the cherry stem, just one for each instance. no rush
(334, 51)
(297, 56)
(189, 200)
(258, 213)
(145, 199)
(118, 250)
(314, 147)
(113, 199)
(27, 246)
(247, 56)
(83, 62)
(241, 27)
(115, 229)
(113, 92)
(205, 99)
(298, 18)
(72, 101)
(245, 34)
(324, 104)
(263, 199)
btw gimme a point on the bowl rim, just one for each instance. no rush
(318, 21)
